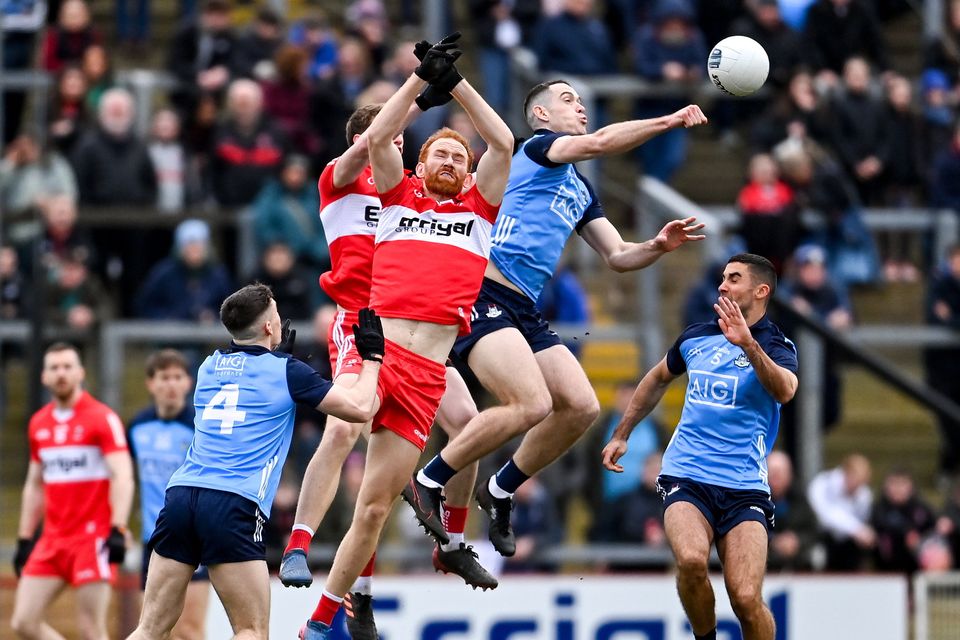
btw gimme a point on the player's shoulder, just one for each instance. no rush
(41, 416)
(699, 330)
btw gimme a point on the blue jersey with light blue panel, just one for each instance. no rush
(159, 446)
(729, 421)
(245, 402)
(544, 203)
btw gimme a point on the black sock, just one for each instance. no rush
(710, 635)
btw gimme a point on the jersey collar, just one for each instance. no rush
(252, 349)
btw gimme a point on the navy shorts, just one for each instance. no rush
(723, 508)
(498, 307)
(207, 526)
(200, 574)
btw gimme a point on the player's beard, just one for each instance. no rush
(443, 186)
(63, 392)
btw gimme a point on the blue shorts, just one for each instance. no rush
(200, 574)
(723, 508)
(206, 526)
(498, 307)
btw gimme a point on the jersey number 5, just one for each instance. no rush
(227, 397)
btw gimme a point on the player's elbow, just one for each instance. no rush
(787, 393)
(501, 142)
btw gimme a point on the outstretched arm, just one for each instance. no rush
(622, 256)
(645, 398)
(356, 158)
(384, 156)
(494, 167)
(621, 136)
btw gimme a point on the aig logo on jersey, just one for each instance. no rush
(713, 389)
(229, 364)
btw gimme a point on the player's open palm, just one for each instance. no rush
(613, 452)
(676, 233)
(732, 322)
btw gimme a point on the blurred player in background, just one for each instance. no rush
(713, 480)
(159, 438)
(80, 483)
(542, 388)
(432, 244)
(218, 501)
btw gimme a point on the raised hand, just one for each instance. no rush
(613, 452)
(678, 232)
(732, 322)
(368, 336)
(439, 58)
(288, 337)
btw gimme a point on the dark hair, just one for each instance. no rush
(289, 61)
(761, 269)
(59, 346)
(242, 308)
(216, 6)
(164, 359)
(360, 120)
(533, 95)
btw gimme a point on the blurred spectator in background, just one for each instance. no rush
(354, 73)
(948, 523)
(942, 50)
(257, 46)
(169, 161)
(837, 30)
(937, 115)
(935, 555)
(945, 175)
(669, 49)
(716, 17)
(698, 305)
(14, 299)
(294, 288)
(75, 298)
(604, 495)
(367, 20)
(133, 24)
(98, 72)
(536, 526)
(61, 238)
(574, 42)
(783, 45)
(564, 301)
(795, 114)
(901, 519)
(66, 42)
(248, 149)
(201, 57)
(22, 21)
(314, 35)
(841, 499)
(112, 164)
(287, 100)
(795, 532)
(68, 109)
(286, 211)
(499, 27)
(943, 364)
(770, 220)
(30, 173)
(861, 131)
(188, 285)
(309, 423)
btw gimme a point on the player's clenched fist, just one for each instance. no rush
(613, 452)
(690, 116)
(368, 336)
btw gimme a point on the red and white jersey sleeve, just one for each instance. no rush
(349, 216)
(429, 258)
(72, 450)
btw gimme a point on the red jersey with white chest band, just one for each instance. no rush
(430, 256)
(72, 446)
(349, 216)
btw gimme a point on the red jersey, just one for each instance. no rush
(759, 199)
(349, 216)
(429, 258)
(71, 446)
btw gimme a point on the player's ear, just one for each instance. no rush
(469, 181)
(540, 113)
(420, 169)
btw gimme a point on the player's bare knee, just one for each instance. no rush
(532, 410)
(746, 599)
(25, 627)
(340, 434)
(691, 564)
(373, 515)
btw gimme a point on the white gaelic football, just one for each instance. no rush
(738, 65)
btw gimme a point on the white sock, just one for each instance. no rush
(332, 597)
(427, 482)
(303, 527)
(455, 541)
(363, 584)
(496, 491)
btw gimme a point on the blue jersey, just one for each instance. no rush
(159, 446)
(729, 421)
(245, 401)
(543, 204)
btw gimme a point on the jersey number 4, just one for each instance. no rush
(223, 407)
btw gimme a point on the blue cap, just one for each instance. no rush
(810, 253)
(934, 79)
(191, 231)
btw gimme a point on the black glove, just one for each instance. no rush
(24, 547)
(287, 337)
(433, 97)
(116, 545)
(368, 336)
(420, 49)
(439, 58)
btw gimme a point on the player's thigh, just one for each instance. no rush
(689, 535)
(92, 600)
(743, 552)
(193, 620)
(244, 590)
(566, 380)
(163, 595)
(34, 594)
(507, 368)
(457, 406)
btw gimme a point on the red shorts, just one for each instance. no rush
(77, 560)
(343, 352)
(410, 389)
